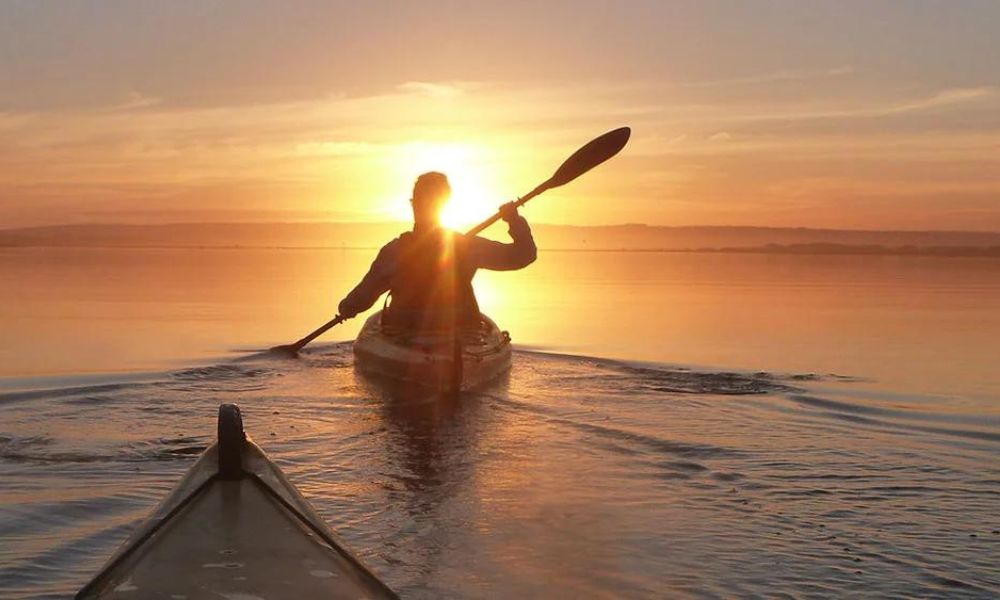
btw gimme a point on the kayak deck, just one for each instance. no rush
(430, 361)
(248, 534)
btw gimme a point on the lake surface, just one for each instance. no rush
(912, 323)
(693, 425)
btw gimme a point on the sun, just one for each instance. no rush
(474, 193)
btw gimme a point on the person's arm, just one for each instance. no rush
(375, 283)
(497, 256)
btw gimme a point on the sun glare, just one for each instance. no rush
(475, 194)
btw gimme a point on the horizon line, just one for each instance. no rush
(538, 224)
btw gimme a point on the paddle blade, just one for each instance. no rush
(590, 155)
(291, 350)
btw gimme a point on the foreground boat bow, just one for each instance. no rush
(234, 527)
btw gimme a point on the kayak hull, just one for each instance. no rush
(429, 361)
(243, 534)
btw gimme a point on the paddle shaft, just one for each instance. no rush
(520, 202)
(329, 324)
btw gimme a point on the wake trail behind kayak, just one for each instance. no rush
(582, 475)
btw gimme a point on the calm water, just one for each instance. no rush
(754, 426)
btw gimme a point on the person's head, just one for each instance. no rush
(430, 193)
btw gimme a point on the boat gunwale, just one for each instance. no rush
(182, 495)
(380, 354)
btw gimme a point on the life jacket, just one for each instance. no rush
(431, 290)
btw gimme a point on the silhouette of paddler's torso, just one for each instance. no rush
(429, 270)
(431, 289)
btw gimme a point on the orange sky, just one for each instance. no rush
(874, 115)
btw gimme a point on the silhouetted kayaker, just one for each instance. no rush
(429, 271)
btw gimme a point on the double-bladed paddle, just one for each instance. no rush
(586, 158)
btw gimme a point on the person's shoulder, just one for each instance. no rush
(474, 240)
(393, 245)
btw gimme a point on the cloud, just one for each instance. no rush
(944, 98)
(13, 120)
(433, 90)
(335, 148)
(136, 100)
(783, 75)
(352, 152)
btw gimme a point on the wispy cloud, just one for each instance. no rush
(434, 90)
(783, 75)
(135, 100)
(335, 148)
(721, 136)
(944, 98)
(955, 98)
(701, 148)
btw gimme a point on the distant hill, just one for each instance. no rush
(197, 235)
(565, 237)
(646, 237)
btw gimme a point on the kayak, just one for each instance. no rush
(234, 527)
(430, 361)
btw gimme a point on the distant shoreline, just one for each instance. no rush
(862, 250)
(571, 238)
(775, 249)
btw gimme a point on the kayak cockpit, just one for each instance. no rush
(433, 361)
